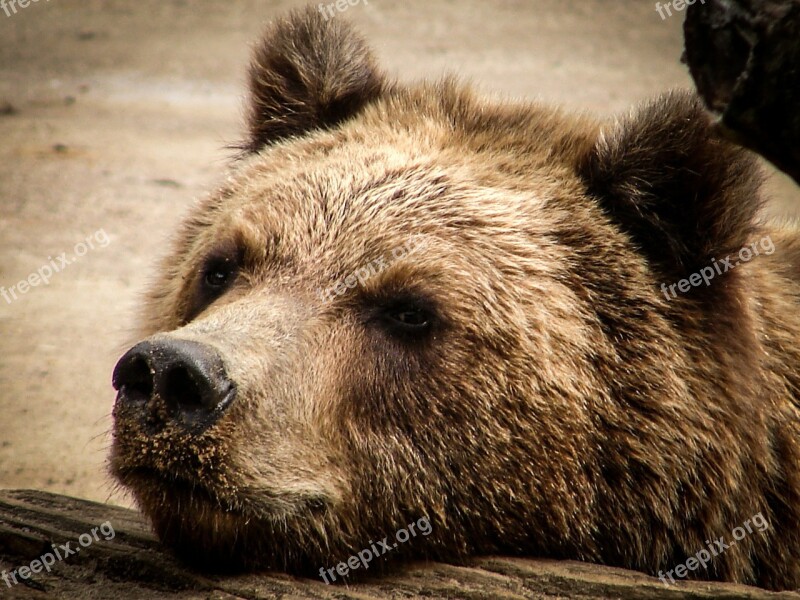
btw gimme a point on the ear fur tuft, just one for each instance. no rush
(682, 194)
(307, 73)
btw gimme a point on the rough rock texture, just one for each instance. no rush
(133, 566)
(743, 56)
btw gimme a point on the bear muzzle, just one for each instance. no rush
(172, 381)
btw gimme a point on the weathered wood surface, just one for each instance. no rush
(744, 56)
(133, 566)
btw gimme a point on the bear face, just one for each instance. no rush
(408, 302)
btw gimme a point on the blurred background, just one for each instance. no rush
(115, 117)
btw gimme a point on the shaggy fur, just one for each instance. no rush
(555, 405)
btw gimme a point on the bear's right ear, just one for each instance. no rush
(308, 72)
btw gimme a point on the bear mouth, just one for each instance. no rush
(143, 481)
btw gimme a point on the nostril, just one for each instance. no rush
(181, 390)
(195, 386)
(133, 377)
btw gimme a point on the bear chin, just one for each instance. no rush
(227, 535)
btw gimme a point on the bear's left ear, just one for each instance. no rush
(308, 72)
(683, 195)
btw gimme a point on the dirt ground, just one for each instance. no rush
(115, 116)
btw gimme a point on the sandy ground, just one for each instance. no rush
(115, 116)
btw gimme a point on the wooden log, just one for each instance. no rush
(133, 566)
(744, 56)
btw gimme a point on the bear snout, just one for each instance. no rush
(173, 380)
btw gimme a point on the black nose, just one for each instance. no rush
(186, 378)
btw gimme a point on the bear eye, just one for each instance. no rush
(215, 275)
(218, 273)
(408, 318)
(217, 278)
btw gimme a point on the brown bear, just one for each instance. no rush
(523, 331)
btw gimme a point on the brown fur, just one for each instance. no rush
(558, 406)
